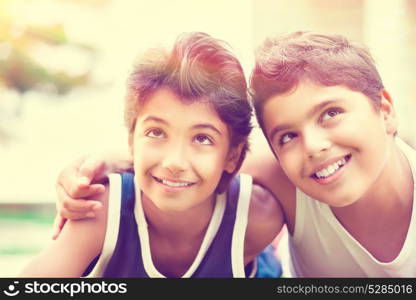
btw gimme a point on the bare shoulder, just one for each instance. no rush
(265, 220)
(263, 205)
(265, 169)
(78, 244)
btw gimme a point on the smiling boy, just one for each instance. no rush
(183, 212)
(331, 125)
(344, 181)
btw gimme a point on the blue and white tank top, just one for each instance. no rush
(126, 251)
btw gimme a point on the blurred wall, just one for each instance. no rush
(52, 130)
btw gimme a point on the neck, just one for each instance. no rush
(380, 220)
(179, 225)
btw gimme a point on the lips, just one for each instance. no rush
(173, 183)
(331, 167)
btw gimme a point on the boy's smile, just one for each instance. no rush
(330, 170)
(331, 141)
(180, 150)
(174, 184)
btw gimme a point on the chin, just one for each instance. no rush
(338, 201)
(171, 207)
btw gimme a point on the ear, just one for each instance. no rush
(388, 112)
(233, 158)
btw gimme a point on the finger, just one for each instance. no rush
(58, 224)
(90, 190)
(83, 181)
(74, 215)
(69, 176)
(92, 169)
(82, 206)
(81, 190)
(67, 204)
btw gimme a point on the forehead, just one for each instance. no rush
(167, 105)
(298, 104)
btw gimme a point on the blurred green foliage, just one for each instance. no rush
(20, 71)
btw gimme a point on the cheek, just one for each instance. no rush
(361, 126)
(291, 162)
(291, 165)
(145, 155)
(210, 166)
(210, 162)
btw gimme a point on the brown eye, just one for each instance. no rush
(286, 138)
(203, 139)
(330, 113)
(155, 133)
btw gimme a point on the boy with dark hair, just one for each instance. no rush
(182, 213)
(331, 125)
(344, 180)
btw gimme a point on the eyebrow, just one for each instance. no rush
(155, 119)
(196, 126)
(207, 126)
(310, 113)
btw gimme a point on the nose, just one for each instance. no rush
(315, 142)
(176, 159)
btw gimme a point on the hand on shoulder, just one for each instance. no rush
(265, 220)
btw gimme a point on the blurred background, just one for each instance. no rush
(63, 65)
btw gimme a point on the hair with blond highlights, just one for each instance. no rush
(282, 62)
(198, 68)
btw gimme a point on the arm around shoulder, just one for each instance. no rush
(265, 220)
(265, 169)
(70, 254)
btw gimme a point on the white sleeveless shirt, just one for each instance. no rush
(322, 247)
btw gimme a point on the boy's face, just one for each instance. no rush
(180, 151)
(330, 140)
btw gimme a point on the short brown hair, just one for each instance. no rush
(198, 68)
(282, 62)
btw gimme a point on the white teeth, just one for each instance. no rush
(175, 184)
(330, 169)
